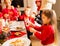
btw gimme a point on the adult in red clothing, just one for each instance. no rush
(9, 12)
(46, 33)
(1, 16)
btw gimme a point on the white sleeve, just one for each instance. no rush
(37, 24)
(52, 1)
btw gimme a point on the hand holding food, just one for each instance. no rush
(32, 30)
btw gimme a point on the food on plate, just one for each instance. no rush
(18, 42)
(6, 29)
(17, 33)
(19, 28)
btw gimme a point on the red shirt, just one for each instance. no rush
(1, 16)
(13, 15)
(26, 18)
(32, 20)
(47, 34)
(0, 29)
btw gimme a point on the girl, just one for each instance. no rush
(46, 33)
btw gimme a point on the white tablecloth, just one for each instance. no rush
(13, 26)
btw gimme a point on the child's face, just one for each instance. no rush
(45, 19)
(32, 15)
(27, 11)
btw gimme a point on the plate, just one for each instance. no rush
(25, 40)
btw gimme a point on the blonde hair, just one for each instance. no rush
(28, 7)
(55, 28)
(6, 0)
(52, 15)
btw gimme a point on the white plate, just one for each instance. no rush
(15, 24)
(26, 41)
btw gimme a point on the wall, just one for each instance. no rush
(56, 7)
(32, 4)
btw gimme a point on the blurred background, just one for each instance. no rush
(24, 3)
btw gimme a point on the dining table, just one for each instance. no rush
(17, 31)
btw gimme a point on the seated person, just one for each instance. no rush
(10, 11)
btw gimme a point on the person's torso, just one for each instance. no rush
(50, 35)
(11, 12)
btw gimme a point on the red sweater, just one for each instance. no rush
(26, 18)
(13, 15)
(1, 16)
(47, 34)
(22, 17)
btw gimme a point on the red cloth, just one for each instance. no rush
(38, 0)
(1, 15)
(32, 20)
(38, 8)
(0, 31)
(24, 17)
(13, 35)
(47, 34)
(13, 15)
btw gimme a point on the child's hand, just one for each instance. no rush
(12, 7)
(6, 15)
(31, 24)
(32, 30)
